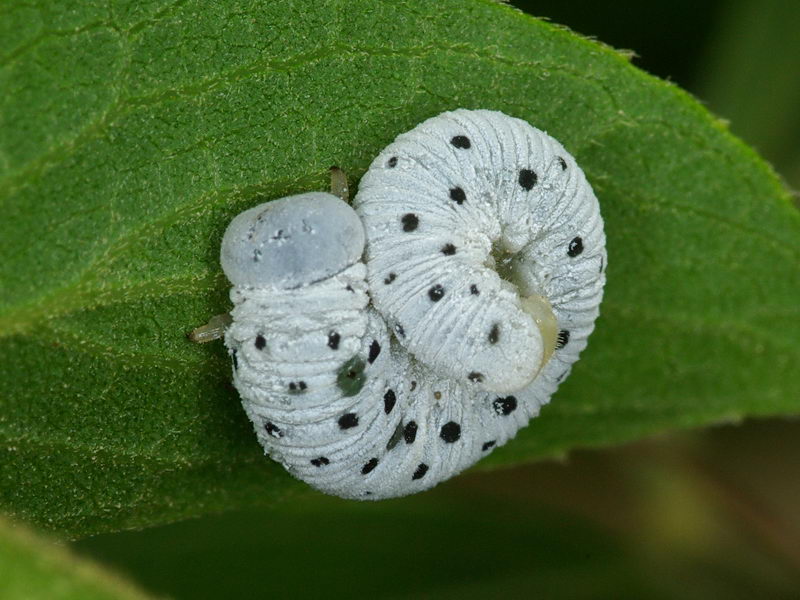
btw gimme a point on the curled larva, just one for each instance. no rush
(483, 270)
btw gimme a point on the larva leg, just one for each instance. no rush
(213, 330)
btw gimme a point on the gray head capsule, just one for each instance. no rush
(292, 241)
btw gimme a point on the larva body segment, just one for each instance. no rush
(380, 379)
(452, 204)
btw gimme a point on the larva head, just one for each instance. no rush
(291, 242)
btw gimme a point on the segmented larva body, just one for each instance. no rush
(484, 259)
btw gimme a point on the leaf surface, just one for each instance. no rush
(133, 132)
(34, 569)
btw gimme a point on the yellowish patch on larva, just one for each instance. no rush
(539, 308)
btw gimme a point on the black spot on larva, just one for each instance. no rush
(505, 406)
(398, 329)
(487, 445)
(349, 288)
(561, 377)
(494, 333)
(563, 338)
(389, 400)
(527, 179)
(473, 289)
(575, 247)
(457, 195)
(413, 385)
(333, 340)
(461, 141)
(390, 278)
(437, 395)
(348, 420)
(368, 467)
(450, 432)
(351, 377)
(601, 265)
(436, 293)
(410, 432)
(396, 436)
(256, 255)
(410, 221)
(374, 351)
(318, 462)
(448, 249)
(392, 162)
(475, 377)
(297, 387)
(273, 429)
(422, 468)
(261, 341)
(235, 360)
(562, 162)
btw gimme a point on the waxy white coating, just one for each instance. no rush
(382, 378)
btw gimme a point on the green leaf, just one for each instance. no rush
(481, 547)
(678, 517)
(755, 48)
(132, 134)
(34, 569)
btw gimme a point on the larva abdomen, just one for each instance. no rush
(478, 178)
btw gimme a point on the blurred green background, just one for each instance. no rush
(694, 515)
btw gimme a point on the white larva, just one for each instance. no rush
(484, 259)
